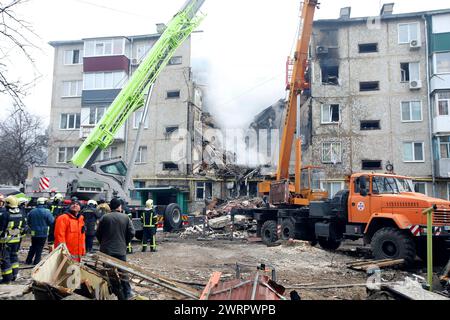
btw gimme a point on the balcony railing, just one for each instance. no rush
(86, 129)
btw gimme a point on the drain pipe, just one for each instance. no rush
(430, 108)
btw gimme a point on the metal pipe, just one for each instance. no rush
(430, 109)
(136, 146)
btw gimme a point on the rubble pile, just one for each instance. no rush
(218, 208)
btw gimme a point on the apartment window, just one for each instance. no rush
(142, 51)
(330, 75)
(109, 153)
(141, 156)
(409, 71)
(331, 152)
(408, 32)
(104, 47)
(70, 121)
(331, 187)
(173, 94)
(104, 80)
(442, 62)
(443, 103)
(330, 113)
(444, 147)
(370, 125)
(65, 154)
(176, 60)
(420, 187)
(369, 86)
(170, 166)
(371, 165)
(170, 130)
(137, 119)
(411, 111)
(368, 47)
(203, 190)
(413, 152)
(72, 89)
(137, 195)
(73, 57)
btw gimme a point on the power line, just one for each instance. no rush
(112, 9)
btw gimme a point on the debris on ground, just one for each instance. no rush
(365, 265)
(218, 208)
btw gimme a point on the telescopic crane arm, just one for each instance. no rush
(131, 97)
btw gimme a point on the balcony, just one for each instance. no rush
(441, 124)
(440, 82)
(443, 168)
(86, 129)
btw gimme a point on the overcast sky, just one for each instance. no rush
(245, 42)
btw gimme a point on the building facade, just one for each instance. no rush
(88, 75)
(371, 106)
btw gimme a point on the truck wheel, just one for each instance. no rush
(269, 232)
(441, 254)
(329, 244)
(391, 243)
(172, 218)
(287, 230)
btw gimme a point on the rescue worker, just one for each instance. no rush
(149, 223)
(12, 226)
(70, 229)
(91, 216)
(130, 216)
(39, 220)
(56, 209)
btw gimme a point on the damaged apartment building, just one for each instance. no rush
(380, 98)
(88, 75)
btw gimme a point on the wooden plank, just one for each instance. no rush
(213, 281)
(59, 269)
(150, 277)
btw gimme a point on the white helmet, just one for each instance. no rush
(58, 196)
(41, 200)
(149, 204)
(92, 202)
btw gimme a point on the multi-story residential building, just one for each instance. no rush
(370, 98)
(88, 75)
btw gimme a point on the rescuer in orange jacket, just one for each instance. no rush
(70, 229)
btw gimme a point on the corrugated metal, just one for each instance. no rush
(106, 63)
(254, 288)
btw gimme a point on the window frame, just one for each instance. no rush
(421, 182)
(330, 182)
(68, 115)
(111, 150)
(367, 45)
(74, 149)
(414, 152)
(141, 157)
(409, 32)
(103, 42)
(330, 113)
(80, 55)
(369, 90)
(79, 88)
(447, 145)
(136, 121)
(369, 121)
(410, 111)
(96, 75)
(168, 169)
(170, 63)
(437, 104)
(173, 91)
(331, 143)
(435, 71)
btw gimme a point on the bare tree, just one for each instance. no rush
(15, 35)
(23, 142)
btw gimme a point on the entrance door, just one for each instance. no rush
(359, 206)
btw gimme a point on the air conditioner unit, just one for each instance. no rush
(415, 84)
(321, 50)
(414, 44)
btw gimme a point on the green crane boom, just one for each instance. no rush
(131, 97)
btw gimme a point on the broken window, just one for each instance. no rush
(331, 152)
(329, 38)
(409, 71)
(170, 130)
(173, 94)
(369, 86)
(368, 47)
(330, 75)
(330, 113)
(420, 187)
(371, 165)
(170, 166)
(203, 190)
(370, 125)
(253, 189)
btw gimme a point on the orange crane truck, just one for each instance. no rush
(382, 209)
